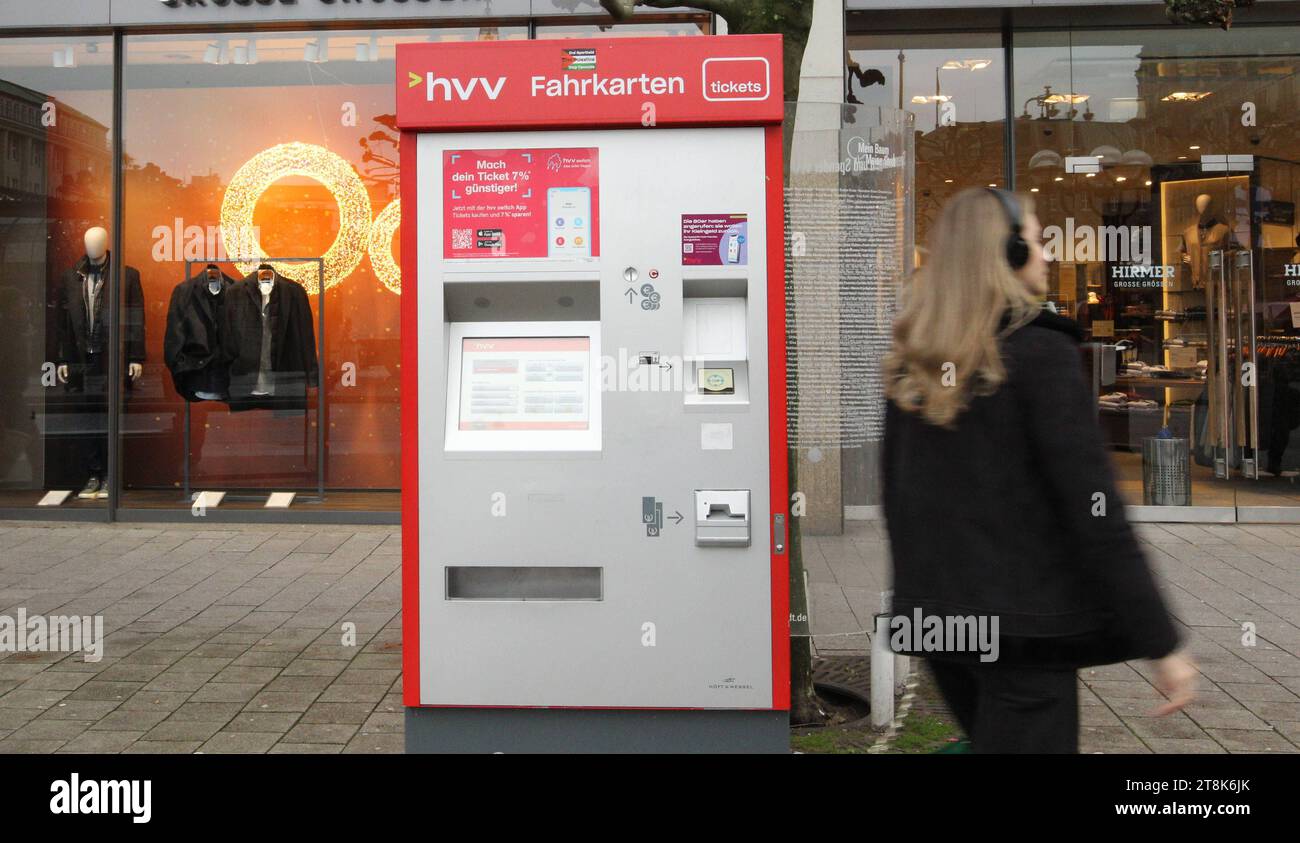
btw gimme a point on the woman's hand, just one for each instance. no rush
(1176, 678)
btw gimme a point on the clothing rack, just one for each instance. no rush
(320, 379)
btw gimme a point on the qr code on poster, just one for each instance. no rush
(462, 238)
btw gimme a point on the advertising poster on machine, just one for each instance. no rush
(715, 240)
(521, 203)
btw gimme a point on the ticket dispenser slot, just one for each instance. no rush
(722, 518)
(715, 342)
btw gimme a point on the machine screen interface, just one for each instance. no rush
(525, 383)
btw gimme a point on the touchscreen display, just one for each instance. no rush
(525, 383)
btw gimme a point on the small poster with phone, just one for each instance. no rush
(715, 240)
(521, 203)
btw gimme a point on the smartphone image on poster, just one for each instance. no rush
(568, 222)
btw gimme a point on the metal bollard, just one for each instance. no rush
(882, 675)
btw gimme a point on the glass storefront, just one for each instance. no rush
(952, 84)
(258, 298)
(56, 176)
(1164, 163)
(239, 150)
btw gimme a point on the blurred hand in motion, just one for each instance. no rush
(1176, 678)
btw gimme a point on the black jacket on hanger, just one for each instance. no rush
(192, 346)
(76, 339)
(1000, 515)
(292, 358)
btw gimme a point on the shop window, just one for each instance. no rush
(953, 86)
(53, 387)
(240, 150)
(1164, 164)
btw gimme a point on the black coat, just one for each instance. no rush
(192, 346)
(999, 516)
(74, 327)
(293, 344)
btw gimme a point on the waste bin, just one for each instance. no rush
(1166, 472)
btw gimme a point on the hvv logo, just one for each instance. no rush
(447, 85)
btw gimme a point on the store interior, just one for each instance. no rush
(1164, 168)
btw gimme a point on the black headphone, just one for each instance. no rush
(1017, 250)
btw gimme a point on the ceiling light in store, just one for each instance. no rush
(1090, 175)
(1182, 157)
(1033, 190)
(1106, 155)
(316, 51)
(947, 181)
(368, 50)
(966, 64)
(1148, 182)
(216, 53)
(246, 54)
(1045, 159)
(1121, 178)
(1059, 178)
(922, 100)
(64, 57)
(1072, 99)
(1185, 96)
(993, 184)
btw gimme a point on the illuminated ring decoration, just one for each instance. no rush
(314, 162)
(382, 231)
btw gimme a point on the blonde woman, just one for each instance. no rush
(998, 495)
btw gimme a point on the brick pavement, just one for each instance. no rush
(1216, 577)
(216, 640)
(230, 639)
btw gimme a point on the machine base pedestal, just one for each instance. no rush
(559, 730)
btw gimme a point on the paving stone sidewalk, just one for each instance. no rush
(231, 639)
(216, 640)
(1217, 579)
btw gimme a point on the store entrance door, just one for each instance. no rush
(1231, 310)
(1257, 332)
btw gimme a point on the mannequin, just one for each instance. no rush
(1202, 237)
(83, 329)
(192, 347)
